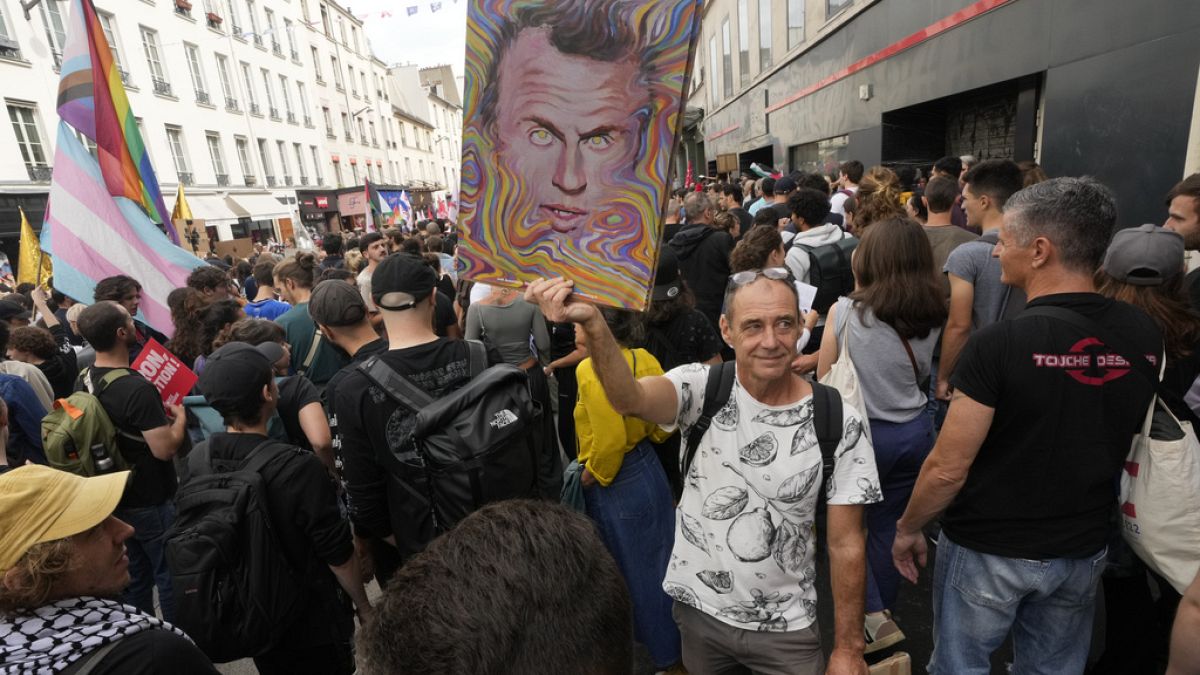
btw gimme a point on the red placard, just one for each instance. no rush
(166, 372)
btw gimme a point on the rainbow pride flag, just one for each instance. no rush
(92, 99)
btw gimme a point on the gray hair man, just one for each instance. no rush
(1044, 410)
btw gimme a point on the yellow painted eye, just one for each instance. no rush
(599, 142)
(541, 137)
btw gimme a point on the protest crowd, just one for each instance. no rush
(841, 383)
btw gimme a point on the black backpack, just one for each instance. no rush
(235, 591)
(827, 417)
(829, 270)
(476, 445)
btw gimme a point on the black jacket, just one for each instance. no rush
(704, 262)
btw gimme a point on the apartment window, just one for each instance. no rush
(270, 15)
(743, 17)
(265, 157)
(353, 82)
(198, 83)
(287, 30)
(145, 139)
(764, 34)
(712, 69)
(316, 160)
(337, 173)
(795, 22)
(328, 121)
(214, 154)
(226, 84)
(354, 34)
(8, 46)
(403, 135)
(110, 34)
(266, 80)
(154, 60)
(178, 154)
(56, 32)
(287, 99)
(243, 152)
(316, 59)
(346, 125)
(407, 168)
(421, 168)
(354, 169)
(342, 31)
(281, 148)
(726, 59)
(299, 150)
(248, 82)
(302, 92)
(366, 92)
(235, 21)
(337, 73)
(304, 10)
(362, 132)
(325, 20)
(254, 22)
(374, 141)
(834, 6)
(29, 140)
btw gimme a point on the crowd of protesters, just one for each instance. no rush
(942, 292)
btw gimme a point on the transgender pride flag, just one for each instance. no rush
(100, 221)
(91, 235)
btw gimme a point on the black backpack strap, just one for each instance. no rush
(200, 459)
(400, 389)
(827, 418)
(716, 393)
(197, 460)
(477, 353)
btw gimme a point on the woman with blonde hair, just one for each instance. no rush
(878, 199)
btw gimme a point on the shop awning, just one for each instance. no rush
(257, 206)
(211, 209)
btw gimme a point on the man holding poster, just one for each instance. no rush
(572, 116)
(148, 440)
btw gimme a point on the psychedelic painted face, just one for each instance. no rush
(567, 152)
(570, 127)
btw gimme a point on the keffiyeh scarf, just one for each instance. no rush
(52, 637)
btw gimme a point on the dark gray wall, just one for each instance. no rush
(1120, 80)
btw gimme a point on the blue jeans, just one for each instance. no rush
(636, 519)
(147, 558)
(900, 449)
(978, 598)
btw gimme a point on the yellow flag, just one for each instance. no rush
(34, 264)
(182, 210)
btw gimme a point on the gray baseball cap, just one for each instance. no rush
(1147, 255)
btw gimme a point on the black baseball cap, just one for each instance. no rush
(236, 368)
(10, 310)
(401, 281)
(337, 303)
(666, 281)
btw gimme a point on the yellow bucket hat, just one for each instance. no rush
(40, 504)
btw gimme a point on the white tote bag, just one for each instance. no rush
(1160, 496)
(843, 376)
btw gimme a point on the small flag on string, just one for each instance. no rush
(412, 10)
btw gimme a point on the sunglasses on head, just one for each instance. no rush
(748, 276)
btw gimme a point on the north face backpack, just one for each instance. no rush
(78, 435)
(476, 445)
(829, 270)
(235, 591)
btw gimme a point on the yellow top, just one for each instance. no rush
(604, 435)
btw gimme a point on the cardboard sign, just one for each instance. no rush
(166, 372)
(572, 115)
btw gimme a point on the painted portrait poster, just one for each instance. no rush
(573, 109)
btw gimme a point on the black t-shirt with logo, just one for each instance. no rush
(373, 424)
(134, 406)
(1066, 407)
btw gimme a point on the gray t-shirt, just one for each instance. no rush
(973, 263)
(891, 393)
(509, 328)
